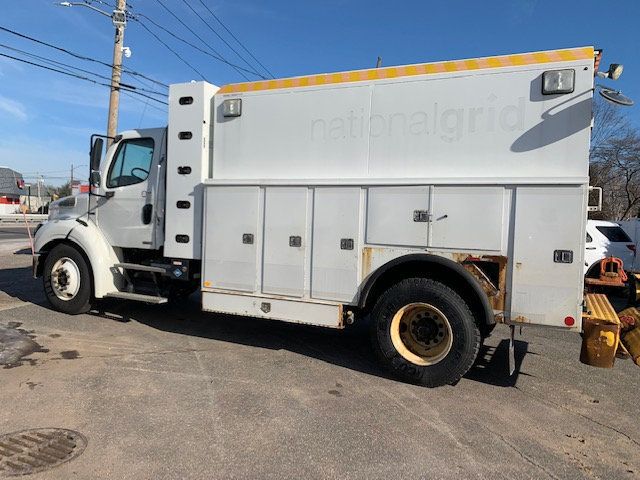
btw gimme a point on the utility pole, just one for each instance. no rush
(116, 71)
(71, 181)
(38, 180)
(119, 20)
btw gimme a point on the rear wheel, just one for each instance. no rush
(67, 280)
(424, 332)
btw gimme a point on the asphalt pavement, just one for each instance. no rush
(168, 392)
(12, 233)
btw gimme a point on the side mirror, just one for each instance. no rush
(96, 153)
(94, 179)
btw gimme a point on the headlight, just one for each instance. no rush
(558, 81)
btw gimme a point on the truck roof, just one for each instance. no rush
(469, 64)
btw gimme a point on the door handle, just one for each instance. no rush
(591, 248)
(147, 210)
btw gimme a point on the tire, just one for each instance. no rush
(67, 280)
(424, 332)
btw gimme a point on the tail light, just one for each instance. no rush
(632, 248)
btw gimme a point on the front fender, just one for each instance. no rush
(90, 240)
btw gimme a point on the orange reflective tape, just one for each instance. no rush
(516, 60)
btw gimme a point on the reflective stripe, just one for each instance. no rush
(517, 60)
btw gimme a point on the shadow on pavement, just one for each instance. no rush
(348, 348)
(19, 283)
(492, 365)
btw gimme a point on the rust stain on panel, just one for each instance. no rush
(495, 293)
(367, 259)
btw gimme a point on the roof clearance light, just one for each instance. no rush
(558, 81)
(232, 107)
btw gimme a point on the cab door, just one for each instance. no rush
(127, 212)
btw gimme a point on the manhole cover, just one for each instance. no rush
(31, 451)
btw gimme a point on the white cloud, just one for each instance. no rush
(13, 108)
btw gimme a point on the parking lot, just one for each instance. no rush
(170, 392)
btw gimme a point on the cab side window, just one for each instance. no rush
(589, 239)
(132, 162)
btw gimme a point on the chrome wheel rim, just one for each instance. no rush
(421, 334)
(65, 279)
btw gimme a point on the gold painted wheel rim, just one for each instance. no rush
(421, 334)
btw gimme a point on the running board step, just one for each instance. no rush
(137, 297)
(141, 268)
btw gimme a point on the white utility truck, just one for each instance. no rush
(435, 199)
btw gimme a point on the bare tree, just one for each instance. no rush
(615, 162)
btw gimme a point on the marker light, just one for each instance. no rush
(569, 321)
(558, 81)
(232, 107)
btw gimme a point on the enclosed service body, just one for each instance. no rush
(457, 190)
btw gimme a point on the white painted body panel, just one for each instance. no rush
(289, 310)
(285, 217)
(194, 152)
(491, 125)
(499, 168)
(336, 217)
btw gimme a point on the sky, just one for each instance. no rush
(46, 119)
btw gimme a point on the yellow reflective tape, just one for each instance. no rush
(517, 60)
(450, 66)
(584, 53)
(541, 57)
(494, 62)
(566, 55)
(471, 64)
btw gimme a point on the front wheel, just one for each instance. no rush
(67, 280)
(424, 332)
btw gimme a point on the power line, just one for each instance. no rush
(81, 77)
(146, 102)
(101, 2)
(62, 64)
(191, 44)
(82, 57)
(204, 42)
(217, 34)
(172, 50)
(236, 38)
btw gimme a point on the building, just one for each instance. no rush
(77, 187)
(11, 187)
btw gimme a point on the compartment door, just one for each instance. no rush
(398, 216)
(547, 285)
(285, 240)
(467, 217)
(334, 265)
(231, 231)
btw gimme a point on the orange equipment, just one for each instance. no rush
(612, 271)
